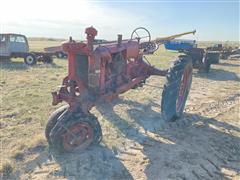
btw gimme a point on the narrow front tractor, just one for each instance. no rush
(100, 72)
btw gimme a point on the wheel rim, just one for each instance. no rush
(29, 59)
(60, 55)
(183, 90)
(79, 135)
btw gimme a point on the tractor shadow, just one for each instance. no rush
(218, 75)
(180, 147)
(21, 66)
(138, 113)
(96, 162)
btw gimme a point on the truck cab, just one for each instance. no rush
(13, 45)
(16, 46)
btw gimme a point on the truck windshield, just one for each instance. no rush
(18, 39)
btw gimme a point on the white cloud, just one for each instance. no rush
(55, 18)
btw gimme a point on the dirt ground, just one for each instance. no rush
(138, 144)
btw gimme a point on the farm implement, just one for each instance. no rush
(225, 51)
(100, 72)
(151, 46)
(57, 51)
(201, 58)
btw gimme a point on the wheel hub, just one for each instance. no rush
(79, 135)
(29, 59)
(60, 55)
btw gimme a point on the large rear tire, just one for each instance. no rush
(176, 89)
(75, 131)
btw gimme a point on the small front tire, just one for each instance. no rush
(76, 130)
(53, 120)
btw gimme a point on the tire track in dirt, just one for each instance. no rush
(213, 109)
(204, 112)
(225, 151)
(209, 166)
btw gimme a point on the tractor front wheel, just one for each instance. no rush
(74, 131)
(53, 120)
(176, 89)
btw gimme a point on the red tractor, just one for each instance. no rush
(100, 72)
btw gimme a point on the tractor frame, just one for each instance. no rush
(100, 72)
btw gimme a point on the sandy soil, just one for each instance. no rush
(138, 144)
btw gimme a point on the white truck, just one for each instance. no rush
(16, 45)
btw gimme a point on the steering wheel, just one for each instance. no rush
(141, 34)
(144, 39)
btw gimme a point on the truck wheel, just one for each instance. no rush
(206, 65)
(30, 59)
(53, 120)
(47, 59)
(224, 56)
(176, 89)
(77, 131)
(60, 55)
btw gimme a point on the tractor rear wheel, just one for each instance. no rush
(75, 131)
(176, 89)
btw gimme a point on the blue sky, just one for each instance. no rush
(213, 20)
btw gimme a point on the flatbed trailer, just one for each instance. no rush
(56, 51)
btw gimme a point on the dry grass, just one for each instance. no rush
(38, 44)
(6, 169)
(26, 103)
